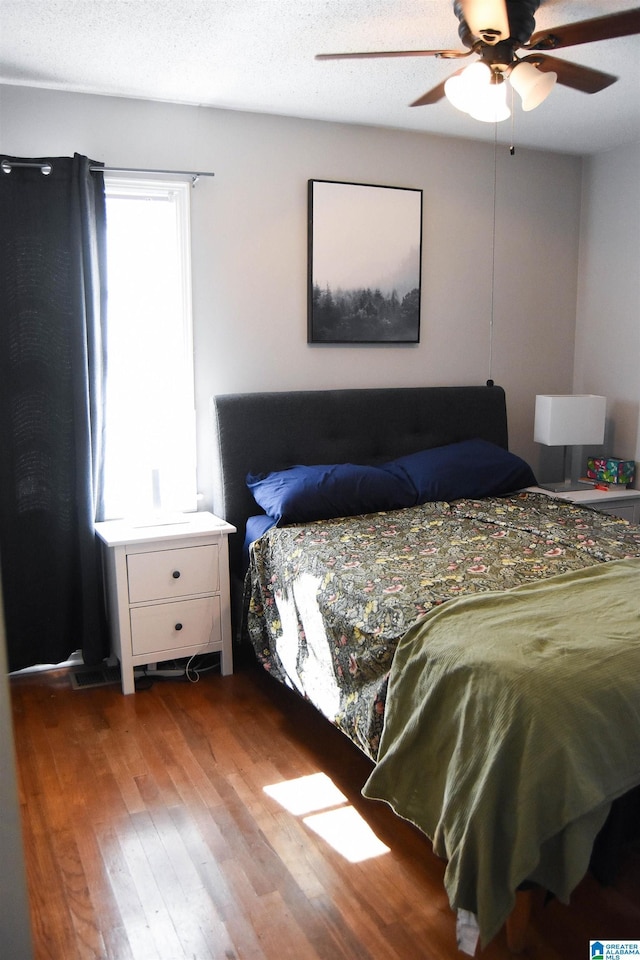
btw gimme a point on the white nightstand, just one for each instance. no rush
(168, 590)
(619, 503)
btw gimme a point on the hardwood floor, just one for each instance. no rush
(148, 836)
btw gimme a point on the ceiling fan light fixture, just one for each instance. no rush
(492, 106)
(463, 89)
(531, 84)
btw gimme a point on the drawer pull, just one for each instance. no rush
(176, 574)
(178, 626)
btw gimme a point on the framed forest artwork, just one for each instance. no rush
(364, 264)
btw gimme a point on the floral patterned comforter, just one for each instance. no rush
(327, 602)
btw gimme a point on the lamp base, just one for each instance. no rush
(568, 486)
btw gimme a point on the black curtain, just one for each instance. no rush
(52, 366)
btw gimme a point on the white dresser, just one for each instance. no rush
(620, 503)
(168, 590)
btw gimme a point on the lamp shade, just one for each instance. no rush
(476, 91)
(463, 88)
(532, 84)
(569, 419)
(492, 107)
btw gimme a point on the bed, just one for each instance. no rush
(395, 618)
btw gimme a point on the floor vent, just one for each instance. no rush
(82, 678)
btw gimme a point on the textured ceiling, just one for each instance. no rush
(258, 55)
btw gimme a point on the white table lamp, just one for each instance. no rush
(567, 420)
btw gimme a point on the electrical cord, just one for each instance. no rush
(192, 671)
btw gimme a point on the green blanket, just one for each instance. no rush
(512, 723)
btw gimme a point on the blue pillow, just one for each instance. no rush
(471, 468)
(303, 493)
(255, 528)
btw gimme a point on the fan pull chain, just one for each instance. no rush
(512, 148)
(493, 247)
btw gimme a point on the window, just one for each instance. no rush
(150, 460)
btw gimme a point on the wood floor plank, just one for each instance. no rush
(149, 836)
(189, 779)
(52, 927)
(105, 911)
(183, 895)
(279, 933)
(205, 891)
(88, 936)
(148, 925)
(289, 840)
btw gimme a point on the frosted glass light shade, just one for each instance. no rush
(462, 89)
(532, 84)
(473, 92)
(492, 108)
(569, 419)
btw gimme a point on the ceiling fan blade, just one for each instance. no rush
(624, 24)
(433, 95)
(445, 54)
(487, 19)
(585, 79)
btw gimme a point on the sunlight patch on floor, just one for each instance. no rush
(346, 831)
(325, 810)
(306, 794)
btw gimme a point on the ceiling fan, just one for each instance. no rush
(495, 30)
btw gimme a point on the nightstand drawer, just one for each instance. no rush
(164, 574)
(627, 511)
(167, 626)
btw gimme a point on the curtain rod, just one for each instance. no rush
(45, 168)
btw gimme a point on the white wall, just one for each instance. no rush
(250, 245)
(608, 315)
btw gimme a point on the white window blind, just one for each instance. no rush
(150, 457)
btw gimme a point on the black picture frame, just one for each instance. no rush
(364, 263)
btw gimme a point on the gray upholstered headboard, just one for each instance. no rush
(259, 432)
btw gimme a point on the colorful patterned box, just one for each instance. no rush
(611, 470)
